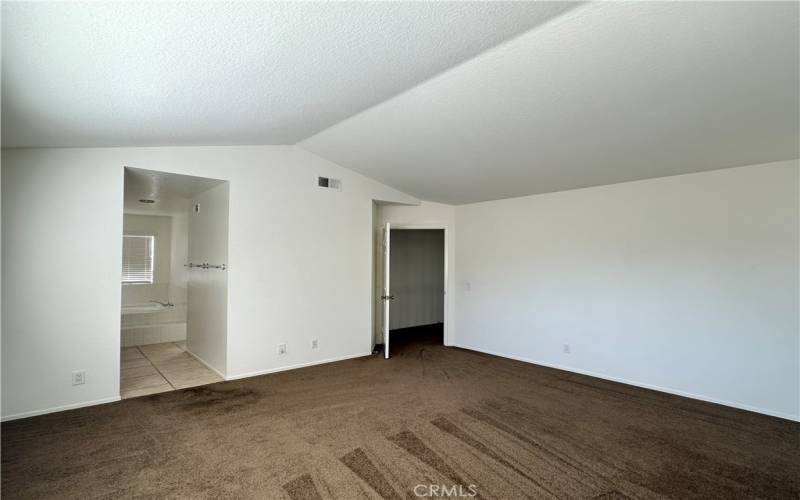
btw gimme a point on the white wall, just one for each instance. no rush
(422, 214)
(61, 261)
(208, 288)
(299, 263)
(417, 277)
(179, 246)
(687, 284)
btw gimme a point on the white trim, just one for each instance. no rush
(386, 288)
(667, 390)
(293, 367)
(447, 313)
(167, 323)
(206, 363)
(54, 409)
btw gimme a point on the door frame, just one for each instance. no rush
(446, 292)
(185, 172)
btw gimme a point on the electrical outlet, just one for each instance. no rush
(281, 348)
(314, 343)
(567, 349)
(78, 377)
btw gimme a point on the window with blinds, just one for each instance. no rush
(137, 259)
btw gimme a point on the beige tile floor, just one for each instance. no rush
(148, 369)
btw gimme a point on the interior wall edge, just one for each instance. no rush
(54, 409)
(665, 390)
(207, 364)
(296, 366)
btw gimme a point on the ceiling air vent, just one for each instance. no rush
(329, 183)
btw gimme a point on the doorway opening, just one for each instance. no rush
(413, 287)
(174, 282)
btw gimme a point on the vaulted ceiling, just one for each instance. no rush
(452, 102)
(605, 93)
(206, 73)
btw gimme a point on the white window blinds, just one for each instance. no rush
(137, 259)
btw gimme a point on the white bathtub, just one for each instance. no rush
(152, 323)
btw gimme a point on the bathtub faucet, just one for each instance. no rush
(165, 304)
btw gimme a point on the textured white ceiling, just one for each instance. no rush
(171, 192)
(167, 73)
(605, 93)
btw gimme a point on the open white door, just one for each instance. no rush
(387, 296)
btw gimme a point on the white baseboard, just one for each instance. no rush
(54, 409)
(206, 363)
(293, 367)
(667, 390)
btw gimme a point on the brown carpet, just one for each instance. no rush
(370, 428)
